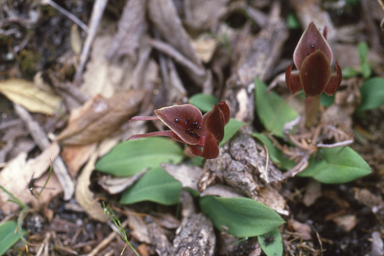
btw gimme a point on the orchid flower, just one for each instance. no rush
(313, 58)
(189, 126)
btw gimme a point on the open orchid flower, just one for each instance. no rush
(189, 126)
(313, 58)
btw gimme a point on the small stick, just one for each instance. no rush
(97, 13)
(66, 13)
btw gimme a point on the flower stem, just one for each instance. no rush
(312, 105)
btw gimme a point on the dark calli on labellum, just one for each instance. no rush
(202, 134)
(313, 58)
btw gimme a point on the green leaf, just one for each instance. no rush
(244, 217)
(203, 101)
(326, 100)
(362, 50)
(155, 186)
(336, 165)
(8, 237)
(372, 94)
(348, 72)
(132, 156)
(274, 247)
(366, 70)
(272, 110)
(230, 129)
(292, 21)
(276, 155)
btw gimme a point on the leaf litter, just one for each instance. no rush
(144, 55)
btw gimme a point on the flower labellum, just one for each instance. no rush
(313, 58)
(188, 125)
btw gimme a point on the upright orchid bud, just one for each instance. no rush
(313, 58)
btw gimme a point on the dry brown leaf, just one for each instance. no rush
(313, 191)
(271, 197)
(347, 222)
(222, 191)
(188, 175)
(29, 96)
(116, 185)
(15, 178)
(203, 14)
(132, 25)
(303, 229)
(85, 197)
(139, 228)
(75, 156)
(205, 48)
(163, 14)
(103, 77)
(99, 118)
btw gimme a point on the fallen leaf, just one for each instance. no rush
(132, 25)
(85, 197)
(103, 77)
(221, 191)
(116, 185)
(272, 198)
(99, 118)
(75, 156)
(29, 96)
(17, 174)
(303, 229)
(187, 175)
(139, 228)
(347, 222)
(205, 48)
(312, 192)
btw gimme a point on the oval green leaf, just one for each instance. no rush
(8, 237)
(155, 186)
(203, 102)
(372, 93)
(244, 217)
(274, 247)
(132, 156)
(276, 155)
(272, 110)
(336, 165)
(230, 129)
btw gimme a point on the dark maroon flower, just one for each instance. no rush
(188, 125)
(313, 58)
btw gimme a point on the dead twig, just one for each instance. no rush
(41, 139)
(97, 13)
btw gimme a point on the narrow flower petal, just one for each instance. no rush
(144, 118)
(214, 123)
(186, 121)
(292, 80)
(315, 73)
(334, 82)
(211, 148)
(311, 41)
(226, 113)
(195, 150)
(167, 133)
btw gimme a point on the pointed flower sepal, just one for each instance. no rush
(313, 58)
(189, 126)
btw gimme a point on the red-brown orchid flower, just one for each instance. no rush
(189, 126)
(313, 58)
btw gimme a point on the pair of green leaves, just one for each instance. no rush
(336, 165)
(244, 217)
(8, 237)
